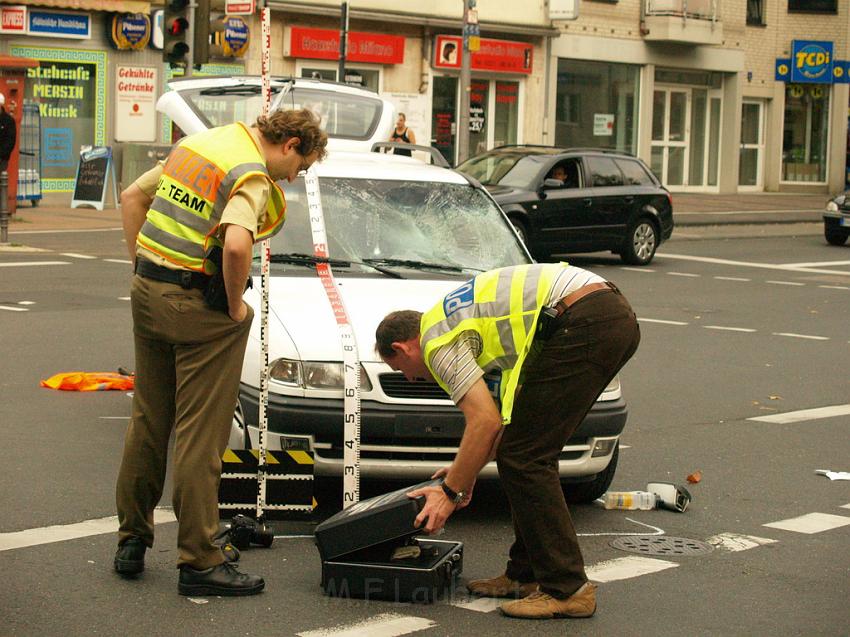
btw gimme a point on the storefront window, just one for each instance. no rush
(806, 132)
(479, 123)
(506, 118)
(366, 78)
(443, 116)
(597, 104)
(70, 92)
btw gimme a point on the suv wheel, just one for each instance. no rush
(641, 242)
(835, 235)
(587, 492)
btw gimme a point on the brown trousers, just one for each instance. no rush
(188, 363)
(594, 339)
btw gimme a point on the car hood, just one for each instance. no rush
(506, 193)
(301, 309)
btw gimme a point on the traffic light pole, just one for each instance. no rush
(343, 41)
(190, 37)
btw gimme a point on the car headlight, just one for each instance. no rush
(313, 375)
(832, 206)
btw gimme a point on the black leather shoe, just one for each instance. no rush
(130, 557)
(223, 579)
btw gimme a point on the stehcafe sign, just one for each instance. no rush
(323, 44)
(501, 56)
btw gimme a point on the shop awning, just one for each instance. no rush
(113, 6)
(13, 62)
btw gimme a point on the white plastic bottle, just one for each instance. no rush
(629, 500)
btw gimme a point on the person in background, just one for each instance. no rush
(402, 134)
(8, 134)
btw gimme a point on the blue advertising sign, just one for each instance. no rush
(811, 61)
(129, 31)
(59, 24)
(783, 70)
(236, 37)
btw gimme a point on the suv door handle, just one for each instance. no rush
(588, 201)
(629, 198)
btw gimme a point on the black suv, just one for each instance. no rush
(566, 200)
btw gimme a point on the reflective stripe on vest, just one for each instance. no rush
(502, 307)
(197, 181)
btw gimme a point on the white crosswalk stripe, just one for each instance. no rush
(735, 542)
(626, 568)
(811, 523)
(385, 625)
(804, 414)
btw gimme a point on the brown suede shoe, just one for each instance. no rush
(501, 586)
(540, 605)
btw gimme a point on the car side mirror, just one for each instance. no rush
(552, 183)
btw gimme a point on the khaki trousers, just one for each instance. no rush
(594, 339)
(188, 364)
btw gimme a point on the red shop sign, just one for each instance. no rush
(503, 56)
(13, 19)
(323, 44)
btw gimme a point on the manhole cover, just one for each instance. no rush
(661, 545)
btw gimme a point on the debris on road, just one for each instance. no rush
(695, 477)
(89, 381)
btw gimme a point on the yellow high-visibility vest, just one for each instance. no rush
(197, 181)
(502, 307)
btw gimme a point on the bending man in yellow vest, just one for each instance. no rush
(216, 190)
(524, 351)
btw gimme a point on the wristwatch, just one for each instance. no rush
(455, 496)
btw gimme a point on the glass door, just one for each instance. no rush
(671, 113)
(443, 125)
(752, 146)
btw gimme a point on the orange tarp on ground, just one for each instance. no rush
(88, 381)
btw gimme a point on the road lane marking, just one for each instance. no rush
(638, 269)
(845, 506)
(729, 329)
(751, 264)
(688, 274)
(738, 212)
(834, 287)
(119, 261)
(480, 605)
(805, 414)
(786, 283)
(23, 264)
(731, 278)
(626, 568)
(26, 302)
(816, 263)
(811, 523)
(384, 625)
(62, 532)
(123, 298)
(649, 320)
(737, 542)
(807, 336)
(11, 308)
(78, 256)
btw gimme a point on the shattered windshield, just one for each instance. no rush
(405, 225)
(342, 115)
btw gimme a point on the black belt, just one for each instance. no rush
(184, 278)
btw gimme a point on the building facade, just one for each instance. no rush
(716, 95)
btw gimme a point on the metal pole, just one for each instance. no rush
(190, 39)
(343, 41)
(4, 208)
(464, 88)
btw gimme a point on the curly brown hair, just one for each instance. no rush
(396, 327)
(282, 125)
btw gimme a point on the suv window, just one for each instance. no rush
(343, 115)
(452, 224)
(604, 172)
(634, 173)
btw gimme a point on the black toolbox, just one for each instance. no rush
(357, 546)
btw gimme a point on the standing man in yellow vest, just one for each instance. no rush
(543, 340)
(216, 190)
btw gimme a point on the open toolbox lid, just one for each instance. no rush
(369, 522)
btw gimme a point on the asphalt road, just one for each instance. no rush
(733, 329)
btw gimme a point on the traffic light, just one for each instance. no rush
(175, 31)
(201, 52)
